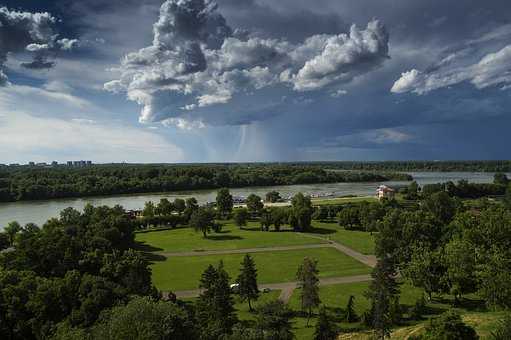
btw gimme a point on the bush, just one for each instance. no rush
(448, 326)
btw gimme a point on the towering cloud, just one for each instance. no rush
(32, 33)
(200, 69)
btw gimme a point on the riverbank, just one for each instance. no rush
(40, 211)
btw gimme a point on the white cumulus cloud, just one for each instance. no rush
(197, 69)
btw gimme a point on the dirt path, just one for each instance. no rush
(243, 251)
(368, 260)
(287, 288)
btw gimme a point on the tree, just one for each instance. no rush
(412, 192)
(240, 217)
(302, 210)
(215, 306)
(202, 221)
(224, 202)
(165, 207)
(350, 314)
(273, 196)
(266, 219)
(247, 280)
(349, 218)
(149, 210)
(145, 319)
(12, 229)
(325, 328)
(500, 178)
(507, 197)
(448, 326)
(459, 259)
(495, 280)
(179, 205)
(191, 206)
(503, 330)
(426, 270)
(273, 320)
(383, 293)
(254, 204)
(278, 217)
(307, 276)
(441, 205)
(5, 241)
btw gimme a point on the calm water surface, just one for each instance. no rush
(40, 211)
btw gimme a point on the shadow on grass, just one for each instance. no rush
(223, 237)
(321, 231)
(145, 248)
(470, 304)
(155, 230)
(153, 257)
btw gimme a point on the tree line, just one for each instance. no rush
(443, 166)
(29, 183)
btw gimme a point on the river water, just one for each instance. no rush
(40, 211)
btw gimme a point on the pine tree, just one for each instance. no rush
(215, 307)
(273, 321)
(247, 281)
(307, 276)
(383, 294)
(325, 328)
(351, 315)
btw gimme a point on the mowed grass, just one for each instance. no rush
(343, 200)
(231, 237)
(360, 241)
(183, 273)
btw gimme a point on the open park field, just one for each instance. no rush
(231, 237)
(181, 255)
(183, 273)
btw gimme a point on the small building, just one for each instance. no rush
(384, 191)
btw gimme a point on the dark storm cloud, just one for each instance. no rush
(294, 24)
(34, 33)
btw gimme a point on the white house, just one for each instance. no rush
(384, 191)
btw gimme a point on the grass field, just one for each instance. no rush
(231, 237)
(183, 273)
(343, 200)
(361, 241)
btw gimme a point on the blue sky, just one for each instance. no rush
(254, 80)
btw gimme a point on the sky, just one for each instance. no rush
(254, 80)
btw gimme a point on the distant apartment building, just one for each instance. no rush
(31, 163)
(79, 164)
(54, 163)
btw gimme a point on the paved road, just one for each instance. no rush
(244, 251)
(287, 288)
(368, 260)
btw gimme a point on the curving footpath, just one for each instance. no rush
(286, 288)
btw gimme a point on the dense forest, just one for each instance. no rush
(33, 183)
(482, 166)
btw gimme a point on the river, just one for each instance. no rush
(40, 211)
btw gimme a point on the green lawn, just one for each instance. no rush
(359, 240)
(231, 237)
(182, 273)
(343, 200)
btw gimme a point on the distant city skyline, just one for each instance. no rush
(156, 81)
